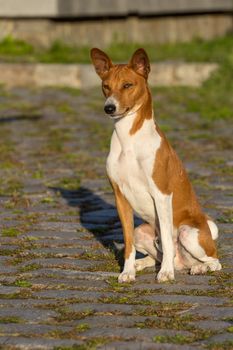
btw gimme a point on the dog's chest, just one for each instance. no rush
(131, 168)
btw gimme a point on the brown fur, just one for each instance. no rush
(143, 113)
(125, 213)
(171, 177)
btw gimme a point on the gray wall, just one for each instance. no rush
(93, 8)
(100, 22)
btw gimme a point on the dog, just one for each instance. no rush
(149, 179)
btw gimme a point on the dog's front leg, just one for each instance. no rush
(163, 205)
(126, 216)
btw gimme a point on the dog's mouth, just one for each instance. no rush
(119, 115)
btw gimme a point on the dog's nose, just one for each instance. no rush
(110, 109)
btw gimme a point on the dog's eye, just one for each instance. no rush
(106, 87)
(127, 85)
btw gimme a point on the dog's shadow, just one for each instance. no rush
(98, 217)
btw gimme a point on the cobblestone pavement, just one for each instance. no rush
(61, 241)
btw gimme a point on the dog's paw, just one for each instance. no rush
(200, 269)
(216, 266)
(165, 275)
(126, 277)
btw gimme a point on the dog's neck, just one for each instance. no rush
(136, 122)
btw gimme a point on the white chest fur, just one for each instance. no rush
(130, 164)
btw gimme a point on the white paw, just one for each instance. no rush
(215, 266)
(165, 275)
(199, 269)
(126, 277)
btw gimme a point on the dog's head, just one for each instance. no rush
(124, 85)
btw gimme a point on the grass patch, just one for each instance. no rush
(176, 339)
(162, 310)
(23, 284)
(10, 186)
(91, 344)
(15, 47)
(227, 345)
(67, 315)
(69, 183)
(199, 50)
(30, 267)
(10, 319)
(10, 232)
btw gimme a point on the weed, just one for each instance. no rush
(176, 339)
(23, 283)
(227, 345)
(10, 232)
(30, 267)
(15, 47)
(215, 50)
(91, 344)
(11, 319)
(66, 314)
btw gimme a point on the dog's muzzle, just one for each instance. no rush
(110, 108)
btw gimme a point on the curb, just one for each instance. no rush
(83, 76)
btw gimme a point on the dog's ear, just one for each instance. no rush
(101, 62)
(140, 63)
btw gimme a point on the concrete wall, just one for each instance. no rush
(94, 8)
(100, 22)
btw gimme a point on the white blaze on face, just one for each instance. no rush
(112, 101)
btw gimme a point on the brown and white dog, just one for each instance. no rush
(148, 178)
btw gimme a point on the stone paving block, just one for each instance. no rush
(24, 303)
(189, 299)
(179, 278)
(36, 343)
(211, 325)
(133, 333)
(145, 345)
(63, 262)
(69, 283)
(8, 270)
(169, 288)
(216, 313)
(69, 294)
(61, 226)
(60, 251)
(113, 321)
(104, 308)
(9, 290)
(220, 338)
(57, 235)
(16, 329)
(86, 275)
(100, 216)
(34, 316)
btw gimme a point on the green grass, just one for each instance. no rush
(212, 101)
(176, 339)
(14, 47)
(10, 319)
(10, 232)
(199, 50)
(23, 284)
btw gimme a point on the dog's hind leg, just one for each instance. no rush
(196, 256)
(145, 242)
